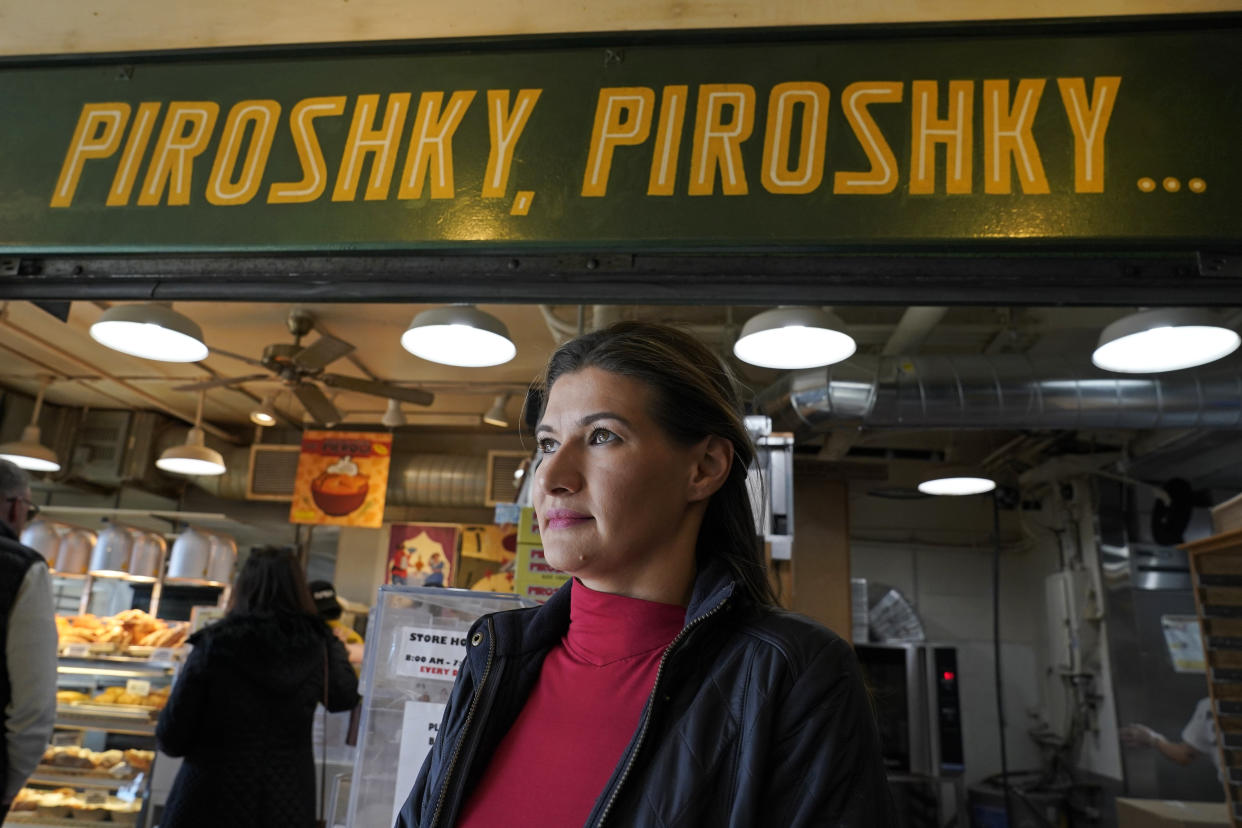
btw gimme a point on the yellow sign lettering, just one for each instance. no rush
(431, 144)
(622, 118)
(717, 141)
(882, 177)
(954, 131)
(783, 102)
(504, 127)
(365, 140)
(221, 187)
(668, 141)
(97, 135)
(310, 154)
(1089, 122)
(1007, 134)
(184, 136)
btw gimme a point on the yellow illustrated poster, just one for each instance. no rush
(342, 478)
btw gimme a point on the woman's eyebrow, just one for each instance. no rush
(587, 420)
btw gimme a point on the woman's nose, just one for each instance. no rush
(558, 472)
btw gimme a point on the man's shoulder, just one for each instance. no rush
(16, 557)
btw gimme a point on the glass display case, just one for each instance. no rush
(99, 763)
(415, 641)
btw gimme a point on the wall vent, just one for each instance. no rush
(273, 470)
(501, 487)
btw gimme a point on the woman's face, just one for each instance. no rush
(618, 502)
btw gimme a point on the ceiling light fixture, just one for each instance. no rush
(29, 452)
(957, 481)
(1164, 339)
(794, 337)
(460, 335)
(393, 417)
(193, 458)
(151, 331)
(496, 414)
(265, 414)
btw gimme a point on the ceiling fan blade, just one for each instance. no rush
(316, 404)
(231, 355)
(319, 353)
(222, 381)
(379, 389)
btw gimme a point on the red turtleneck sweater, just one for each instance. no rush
(556, 759)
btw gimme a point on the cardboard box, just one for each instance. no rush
(528, 527)
(1227, 516)
(1169, 813)
(532, 576)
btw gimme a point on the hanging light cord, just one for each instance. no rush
(996, 654)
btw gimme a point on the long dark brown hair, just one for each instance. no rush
(271, 581)
(693, 396)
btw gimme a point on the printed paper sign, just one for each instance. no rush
(427, 652)
(418, 734)
(1181, 635)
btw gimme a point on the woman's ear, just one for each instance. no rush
(713, 459)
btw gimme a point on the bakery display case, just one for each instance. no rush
(114, 674)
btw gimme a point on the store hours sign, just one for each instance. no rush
(427, 652)
(819, 139)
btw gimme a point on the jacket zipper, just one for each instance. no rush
(642, 733)
(465, 731)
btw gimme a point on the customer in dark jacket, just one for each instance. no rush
(241, 709)
(661, 686)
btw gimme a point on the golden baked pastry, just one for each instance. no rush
(140, 759)
(68, 696)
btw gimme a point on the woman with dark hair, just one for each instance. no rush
(662, 686)
(241, 708)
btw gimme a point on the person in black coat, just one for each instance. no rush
(241, 709)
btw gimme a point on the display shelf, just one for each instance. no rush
(57, 777)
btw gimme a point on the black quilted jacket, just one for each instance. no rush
(240, 713)
(758, 718)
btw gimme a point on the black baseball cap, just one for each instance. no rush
(324, 595)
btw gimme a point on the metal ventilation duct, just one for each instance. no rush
(1006, 391)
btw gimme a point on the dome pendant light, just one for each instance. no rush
(1164, 339)
(460, 335)
(194, 458)
(29, 452)
(495, 415)
(794, 338)
(151, 331)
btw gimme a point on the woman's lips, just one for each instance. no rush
(563, 519)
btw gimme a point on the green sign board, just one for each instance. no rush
(814, 141)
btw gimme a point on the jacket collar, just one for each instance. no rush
(539, 628)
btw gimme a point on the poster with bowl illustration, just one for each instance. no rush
(422, 554)
(342, 478)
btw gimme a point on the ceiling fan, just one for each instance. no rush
(300, 368)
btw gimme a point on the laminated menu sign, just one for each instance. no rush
(342, 478)
(427, 652)
(419, 728)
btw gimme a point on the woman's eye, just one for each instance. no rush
(602, 435)
(547, 445)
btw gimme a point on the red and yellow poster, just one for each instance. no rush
(422, 554)
(342, 478)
